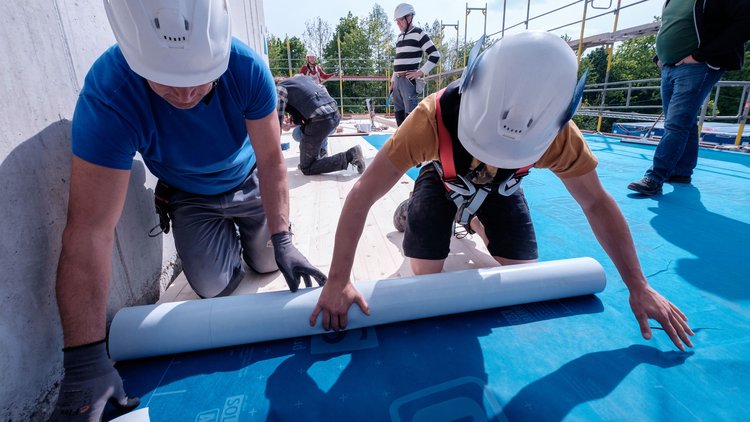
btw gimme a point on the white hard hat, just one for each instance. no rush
(402, 10)
(516, 97)
(180, 43)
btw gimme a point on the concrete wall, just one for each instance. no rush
(47, 47)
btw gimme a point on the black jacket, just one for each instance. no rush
(304, 96)
(723, 27)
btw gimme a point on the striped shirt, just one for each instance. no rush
(409, 48)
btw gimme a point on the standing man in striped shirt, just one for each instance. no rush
(407, 83)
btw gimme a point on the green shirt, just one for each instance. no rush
(677, 36)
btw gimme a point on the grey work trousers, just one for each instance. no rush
(212, 232)
(314, 137)
(405, 95)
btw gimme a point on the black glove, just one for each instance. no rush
(293, 264)
(90, 381)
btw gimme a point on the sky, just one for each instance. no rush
(281, 22)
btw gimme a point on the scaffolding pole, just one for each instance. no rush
(466, 23)
(743, 121)
(289, 56)
(610, 51)
(583, 28)
(440, 63)
(341, 74)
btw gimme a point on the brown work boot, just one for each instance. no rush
(646, 186)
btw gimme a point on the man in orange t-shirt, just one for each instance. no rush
(511, 110)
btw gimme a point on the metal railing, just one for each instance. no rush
(625, 100)
(630, 111)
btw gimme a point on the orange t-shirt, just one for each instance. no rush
(416, 141)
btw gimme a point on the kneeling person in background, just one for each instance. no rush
(316, 112)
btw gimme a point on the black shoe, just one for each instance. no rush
(679, 179)
(646, 187)
(357, 160)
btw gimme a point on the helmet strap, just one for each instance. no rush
(408, 19)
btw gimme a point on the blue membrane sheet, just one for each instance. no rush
(575, 359)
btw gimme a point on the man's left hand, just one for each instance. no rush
(648, 303)
(414, 74)
(287, 126)
(292, 264)
(687, 60)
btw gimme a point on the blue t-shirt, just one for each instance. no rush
(204, 150)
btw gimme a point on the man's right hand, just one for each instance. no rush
(334, 303)
(90, 381)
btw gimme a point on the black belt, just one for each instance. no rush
(163, 193)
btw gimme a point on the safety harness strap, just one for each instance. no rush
(445, 148)
(465, 194)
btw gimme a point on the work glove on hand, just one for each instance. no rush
(292, 264)
(90, 381)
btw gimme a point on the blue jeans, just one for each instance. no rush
(684, 88)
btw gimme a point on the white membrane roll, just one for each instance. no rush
(177, 327)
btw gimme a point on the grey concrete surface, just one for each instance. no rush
(47, 46)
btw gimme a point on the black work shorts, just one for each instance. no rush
(429, 227)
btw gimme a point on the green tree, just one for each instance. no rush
(596, 63)
(356, 59)
(448, 43)
(279, 56)
(379, 29)
(633, 60)
(381, 36)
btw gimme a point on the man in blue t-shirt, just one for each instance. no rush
(200, 109)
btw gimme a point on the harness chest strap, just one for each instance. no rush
(445, 148)
(468, 203)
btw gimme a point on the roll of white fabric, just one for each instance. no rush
(177, 327)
